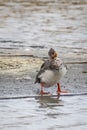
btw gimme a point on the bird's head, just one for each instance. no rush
(52, 53)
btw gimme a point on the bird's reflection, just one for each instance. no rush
(49, 101)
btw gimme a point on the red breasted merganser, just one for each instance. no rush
(51, 71)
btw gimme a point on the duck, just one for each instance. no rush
(51, 72)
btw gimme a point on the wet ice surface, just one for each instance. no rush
(68, 113)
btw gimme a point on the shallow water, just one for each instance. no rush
(68, 113)
(28, 26)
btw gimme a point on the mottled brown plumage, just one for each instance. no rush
(51, 71)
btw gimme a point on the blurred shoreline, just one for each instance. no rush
(25, 62)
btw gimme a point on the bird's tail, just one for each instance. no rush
(38, 80)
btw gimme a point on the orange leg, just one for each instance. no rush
(42, 91)
(59, 89)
